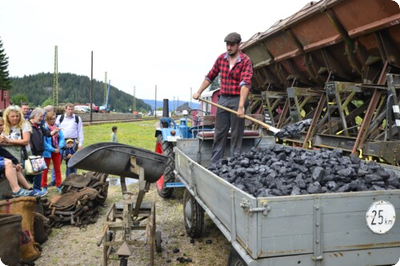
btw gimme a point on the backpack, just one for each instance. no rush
(76, 118)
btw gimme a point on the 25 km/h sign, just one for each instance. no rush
(381, 217)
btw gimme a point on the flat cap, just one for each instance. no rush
(233, 37)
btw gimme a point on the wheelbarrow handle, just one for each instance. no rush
(268, 127)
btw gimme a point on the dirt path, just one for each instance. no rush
(71, 245)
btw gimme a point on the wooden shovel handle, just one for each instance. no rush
(270, 128)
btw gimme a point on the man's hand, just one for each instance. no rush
(240, 112)
(196, 95)
(57, 150)
(79, 147)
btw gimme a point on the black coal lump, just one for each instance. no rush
(282, 170)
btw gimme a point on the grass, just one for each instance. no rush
(137, 134)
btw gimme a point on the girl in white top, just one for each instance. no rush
(16, 132)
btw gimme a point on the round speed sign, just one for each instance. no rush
(380, 217)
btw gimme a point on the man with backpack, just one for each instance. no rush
(72, 126)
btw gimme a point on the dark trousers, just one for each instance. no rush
(224, 121)
(36, 180)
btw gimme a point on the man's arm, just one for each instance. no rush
(80, 134)
(244, 93)
(209, 78)
(58, 121)
(203, 86)
(245, 86)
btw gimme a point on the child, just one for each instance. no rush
(114, 134)
(69, 151)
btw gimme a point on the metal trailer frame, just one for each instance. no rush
(319, 229)
(126, 216)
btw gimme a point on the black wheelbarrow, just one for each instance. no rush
(126, 162)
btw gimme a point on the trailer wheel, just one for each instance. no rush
(166, 148)
(234, 259)
(158, 242)
(123, 261)
(193, 215)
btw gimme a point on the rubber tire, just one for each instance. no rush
(123, 262)
(109, 236)
(193, 215)
(158, 242)
(168, 150)
(234, 259)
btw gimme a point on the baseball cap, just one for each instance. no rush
(70, 140)
(233, 37)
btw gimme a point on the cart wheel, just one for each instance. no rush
(193, 215)
(109, 236)
(123, 261)
(158, 242)
(234, 259)
(166, 148)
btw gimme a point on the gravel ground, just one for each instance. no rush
(71, 245)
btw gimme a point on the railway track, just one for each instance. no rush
(99, 122)
(109, 120)
(100, 118)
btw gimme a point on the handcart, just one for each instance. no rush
(126, 216)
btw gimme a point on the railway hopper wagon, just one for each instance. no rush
(337, 62)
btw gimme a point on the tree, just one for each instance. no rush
(5, 81)
(49, 101)
(17, 98)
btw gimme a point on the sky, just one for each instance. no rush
(141, 45)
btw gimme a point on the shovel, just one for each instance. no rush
(268, 127)
(286, 131)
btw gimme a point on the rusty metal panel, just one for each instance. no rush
(341, 28)
(363, 16)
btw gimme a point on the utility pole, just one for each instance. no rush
(190, 97)
(155, 103)
(173, 104)
(55, 78)
(91, 90)
(105, 88)
(134, 99)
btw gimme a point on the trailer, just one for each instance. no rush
(353, 228)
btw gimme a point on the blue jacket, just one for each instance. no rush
(48, 147)
(66, 152)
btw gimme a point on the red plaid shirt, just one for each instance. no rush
(232, 80)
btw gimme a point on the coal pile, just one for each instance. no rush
(293, 129)
(282, 171)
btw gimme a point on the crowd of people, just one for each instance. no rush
(25, 132)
